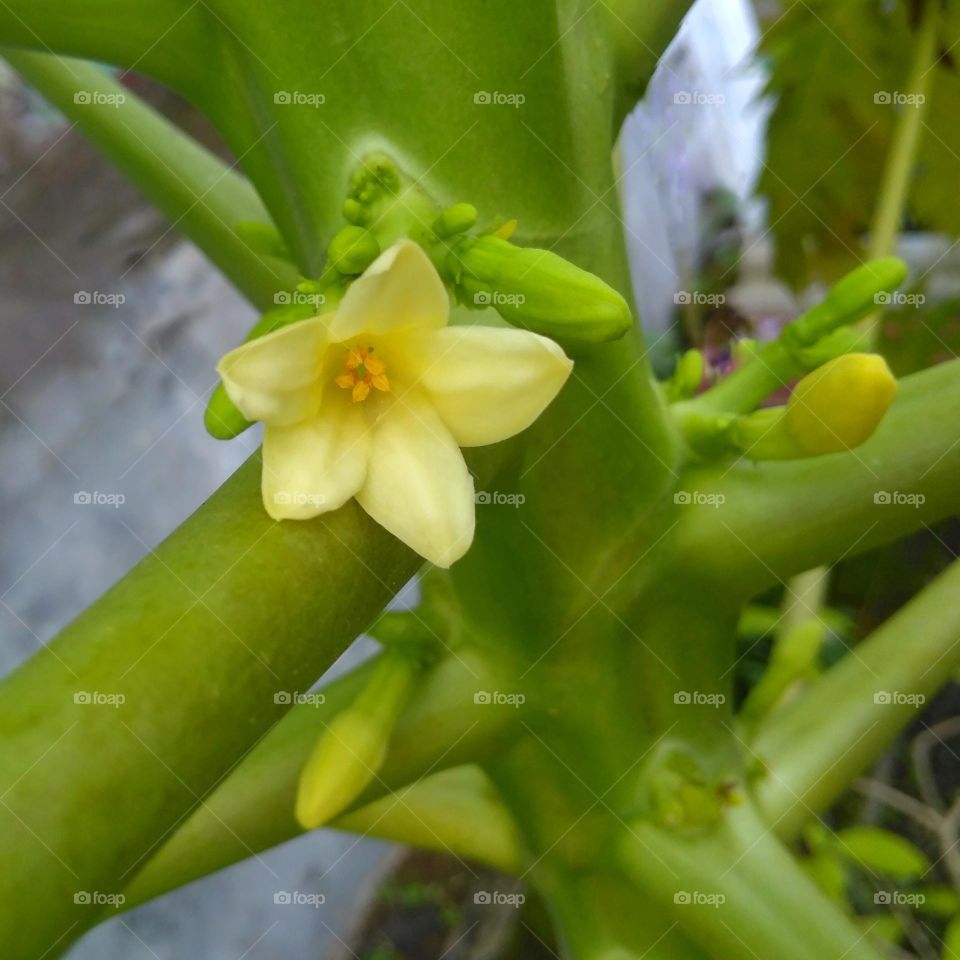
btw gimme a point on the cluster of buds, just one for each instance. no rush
(838, 402)
(534, 289)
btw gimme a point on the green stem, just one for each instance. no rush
(202, 196)
(455, 811)
(146, 701)
(599, 915)
(902, 157)
(252, 810)
(152, 34)
(774, 520)
(813, 749)
(748, 385)
(805, 595)
(738, 893)
(582, 923)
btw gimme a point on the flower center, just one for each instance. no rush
(361, 371)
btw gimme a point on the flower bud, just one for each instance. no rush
(351, 751)
(537, 290)
(345, 759)
(352, 250)
(839, 405)
(835, 408)
(222, 419)
(456, 219)
(857, 294)
(354, 212)
(687, 376)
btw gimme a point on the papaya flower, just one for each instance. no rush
(374, 399)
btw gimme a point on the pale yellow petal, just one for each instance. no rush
(276, 378)
(318, 465)
(400, 290)
(417, 484)
(489, 383)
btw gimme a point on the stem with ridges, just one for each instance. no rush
(814, 748)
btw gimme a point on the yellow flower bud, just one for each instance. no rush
(352, 749)
(839, 405)
(345, 759)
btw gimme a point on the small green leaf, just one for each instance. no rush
(883, 852)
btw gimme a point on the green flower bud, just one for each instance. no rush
(681, 795)
(389, 203)
(537, 290)
(351, 751)
(222, 419)
(353, 249)
(687, 377)
(353, 212)
(456, 219)
(859, 293)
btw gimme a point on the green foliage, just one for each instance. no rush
(883, 852)
(828, 140)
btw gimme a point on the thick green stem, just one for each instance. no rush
(738, 893)
(144, 703)
(146, 34)
(811, 751)
(600, 916)
(202, 196)
(748, 535)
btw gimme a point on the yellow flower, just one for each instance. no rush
(374, 399)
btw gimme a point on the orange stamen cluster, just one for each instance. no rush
(361, 371)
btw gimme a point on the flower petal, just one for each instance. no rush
(276, 378)
(417, 485)
(489, 383)
(317, 465)
(400, 290)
